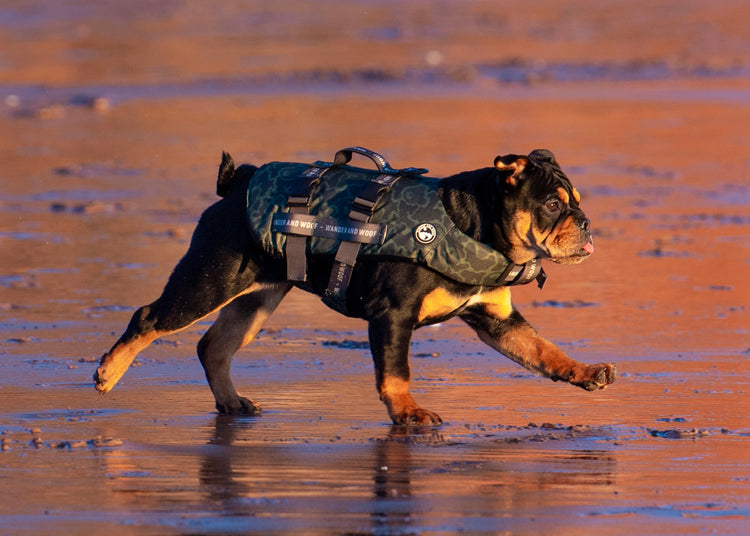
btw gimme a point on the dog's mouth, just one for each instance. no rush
(579, 255)
(585, 251)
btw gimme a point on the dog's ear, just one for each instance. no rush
(511, 166)
(543, 155)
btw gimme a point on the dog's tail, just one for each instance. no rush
(228, 175)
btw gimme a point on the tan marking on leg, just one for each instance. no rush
(527, 348)
(394, 392)
(533, 352)
(439, 303)
(497, 302)
(402, 408)
(116, 362)
(395, 389)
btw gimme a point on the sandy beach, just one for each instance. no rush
(113, 117)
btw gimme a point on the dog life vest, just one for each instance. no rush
(402, 218)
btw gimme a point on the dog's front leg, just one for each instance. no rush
(512, 336)
(389, 343)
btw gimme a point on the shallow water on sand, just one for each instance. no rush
(112, 126)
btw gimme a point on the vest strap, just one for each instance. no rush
(323, 227)
(346, 255)
(299, 203)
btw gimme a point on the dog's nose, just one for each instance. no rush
(585, 224)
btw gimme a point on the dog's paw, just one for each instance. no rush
(598, 376)
(102, 381)
(239, 406)
(417, 416)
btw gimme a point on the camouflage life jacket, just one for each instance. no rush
(407, 222)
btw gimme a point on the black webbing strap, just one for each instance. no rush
(521, 274)
(299, 203)
(298, 225)
(346, 254)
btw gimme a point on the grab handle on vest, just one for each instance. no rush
(344, 156)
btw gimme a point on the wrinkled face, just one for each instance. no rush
(543, 217)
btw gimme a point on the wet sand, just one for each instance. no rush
(111, 129)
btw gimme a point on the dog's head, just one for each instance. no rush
(542, 213)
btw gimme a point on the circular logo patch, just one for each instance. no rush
(425, 233)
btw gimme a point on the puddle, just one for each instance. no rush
(573, 304)
(69, 415)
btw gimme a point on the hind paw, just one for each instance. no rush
(238, 406)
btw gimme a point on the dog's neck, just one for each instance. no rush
(474, 202)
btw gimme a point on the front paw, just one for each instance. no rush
(238, 406)
(417, 416)
(597, 376)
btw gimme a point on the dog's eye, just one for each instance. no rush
(553, 205)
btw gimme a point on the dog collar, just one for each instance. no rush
(522, 274)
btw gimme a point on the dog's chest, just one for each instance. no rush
(441, 303)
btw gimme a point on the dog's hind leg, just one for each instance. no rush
(238, 323)
(213, 272)
(150, 322)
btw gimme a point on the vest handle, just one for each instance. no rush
(344, 156)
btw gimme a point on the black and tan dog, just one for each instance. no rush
(523, 207)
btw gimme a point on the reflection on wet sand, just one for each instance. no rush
(392, 491)
(392, 482)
